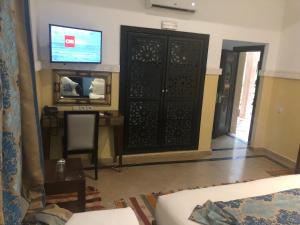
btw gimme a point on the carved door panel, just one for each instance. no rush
(183, 93)
(161, 88)
(145, 71)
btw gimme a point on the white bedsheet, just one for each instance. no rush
(174, 209)
(124, 216)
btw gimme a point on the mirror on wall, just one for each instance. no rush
(82, 87)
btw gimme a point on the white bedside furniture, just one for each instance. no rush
(124, 216)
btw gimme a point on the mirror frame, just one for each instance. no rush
(58, 99)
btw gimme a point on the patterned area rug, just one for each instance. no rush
(144, 205)
(93, 199)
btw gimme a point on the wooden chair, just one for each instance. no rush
(81, 129)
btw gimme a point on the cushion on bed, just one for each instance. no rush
(211, 214)
(278, 208)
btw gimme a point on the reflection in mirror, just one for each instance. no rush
(83, 87)
(97, 88)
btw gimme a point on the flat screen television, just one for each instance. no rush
(74, 45)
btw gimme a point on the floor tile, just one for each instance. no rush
(224, 167)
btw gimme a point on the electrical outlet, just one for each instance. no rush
(280, 109)
(75, 108)
(82, 107)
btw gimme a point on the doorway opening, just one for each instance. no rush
(236, 95)
(244, 96)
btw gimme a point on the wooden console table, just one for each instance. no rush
(113, 119)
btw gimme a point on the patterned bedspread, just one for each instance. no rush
(279, 208)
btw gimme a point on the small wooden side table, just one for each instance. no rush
(70, 181)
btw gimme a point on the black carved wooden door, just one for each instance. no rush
(145, 71)
(161, 88)
(182, 93)
(226, 87)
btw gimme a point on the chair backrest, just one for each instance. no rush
(81, 130)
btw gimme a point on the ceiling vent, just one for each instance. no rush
(183, 5)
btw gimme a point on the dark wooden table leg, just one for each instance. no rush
(121, 145)
(46, 138)
(118, 144)
(81, 196)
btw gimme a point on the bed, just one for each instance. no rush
(175, 209)
(124, 216)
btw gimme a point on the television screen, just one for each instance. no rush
(74, 45)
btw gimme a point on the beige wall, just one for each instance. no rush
(283, 133)
(208, 112)
(278, 117)
(288, 59)
(267, 16)
(45, 97)
(262, 112)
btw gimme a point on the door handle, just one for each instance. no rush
(220, 98)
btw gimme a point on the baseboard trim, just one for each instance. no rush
(285, 161)
(153, 158)
(204, 159)
(190, 156)
(164, 157)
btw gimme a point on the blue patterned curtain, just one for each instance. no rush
(21, 162)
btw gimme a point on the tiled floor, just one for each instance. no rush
(227, 142)
(220, 167)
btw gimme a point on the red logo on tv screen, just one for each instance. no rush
(69, 41)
